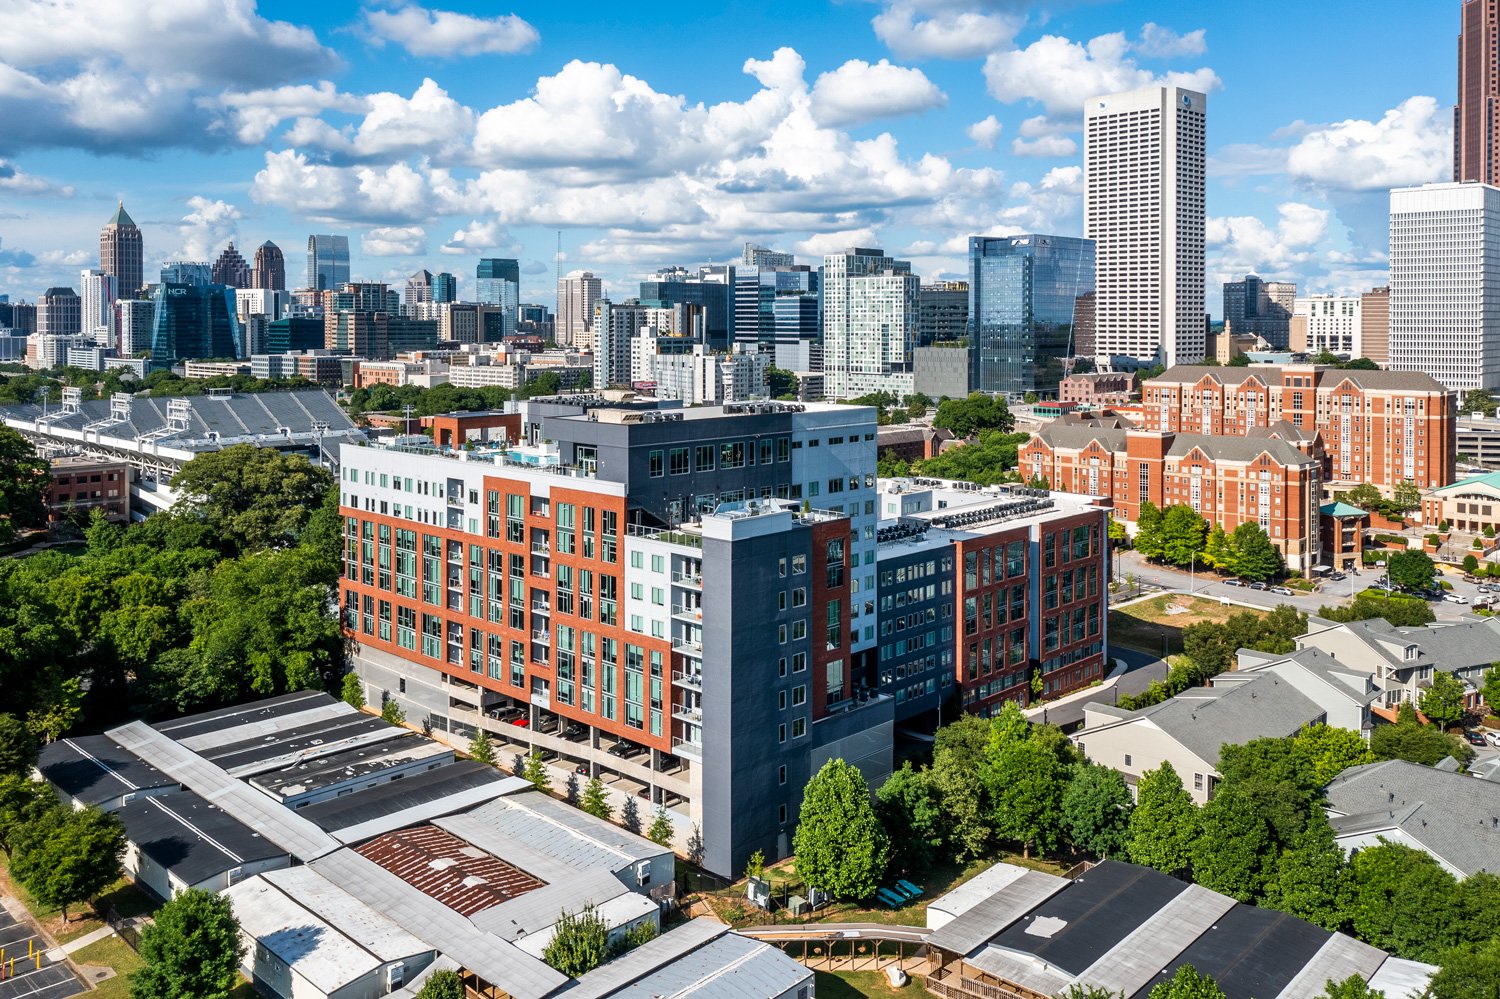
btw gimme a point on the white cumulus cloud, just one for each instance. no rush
(1061, 74)
(1245, 244)
(858, 92)
(394, 241)
(1157, 42)
(912, 33)
(1412, 143)
(442, 33)
(986, 132)
(481, 236)
(1045, 146)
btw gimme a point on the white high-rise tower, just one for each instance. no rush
(1445, 283)
(1143, 163)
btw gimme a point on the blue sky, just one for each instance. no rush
(670, 134)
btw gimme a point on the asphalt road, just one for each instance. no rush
(1328, 593)
(1144, 669)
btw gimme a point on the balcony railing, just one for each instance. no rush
(694, 579)
(688, 678)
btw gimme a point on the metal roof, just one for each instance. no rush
(278, 824)
(973, 928)
(94, 769)
(539, 909)
(1153, 944)
(1338, 958)
(296, 743)
(191, 838)
(1250, 952)
(492, 959)
(351, 917)
(549, 827)
(420, 797)
(223, 726)
(352, 764)
(703, 958)
(438, 863)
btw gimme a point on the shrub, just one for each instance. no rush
(1443, 526)
(1434, 540)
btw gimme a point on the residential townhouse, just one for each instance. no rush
(1402, 661)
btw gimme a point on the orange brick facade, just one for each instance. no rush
(1379, 427)
(536, 612)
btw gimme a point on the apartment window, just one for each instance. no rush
(781, 778)
(1127, 759)
(656, 464)
(703, 458)
(799, 695)
(799, 727)
(781, 817)
(678, 461)
(781, 733)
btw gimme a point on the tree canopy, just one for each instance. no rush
(840, 845)
(1411, 570)
(192, 948)
(442, 984)
(251, 497)
(1164, 825)
(1443, 702)
(68, 856)
(979, 411)
(23, 486)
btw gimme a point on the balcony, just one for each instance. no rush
(690, 750)
(687, 647)
(542, 637)
(688, 678)
(687, 612)
(541, 607)
(692, 715)
(693, 579)
(541, 549)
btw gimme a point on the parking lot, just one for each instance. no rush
(31, 979)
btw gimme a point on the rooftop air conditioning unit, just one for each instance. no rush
(643, 872)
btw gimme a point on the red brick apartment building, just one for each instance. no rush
(80, 485)
(1273, 478)
(1380, 427)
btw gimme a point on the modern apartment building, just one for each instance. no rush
(327, 262)
(659, 644)
(1143, 206)
(1474, 120)
(708, 294)
(942, 312)
(1260, 308)
(1380, 427)
(870, 313)
(1272, 478)
(1330, 322)
(984, 591)
(133, 321)
(1023, 297)
(96, 302)
(1445, 283)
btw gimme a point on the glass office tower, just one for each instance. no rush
(497, 281)
(327, 262)
(195, 321)
(1023, 309)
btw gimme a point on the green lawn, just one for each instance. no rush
(111, 952)
(856, 984)
(122, 896)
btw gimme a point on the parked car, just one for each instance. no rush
(666, 763)
(521, 721)
(1337, 577)
(507, 714)
(1475, 738)
(1493, 738)
(1234, 582)
(573, 731)
(1257, 586)
(620, 750)
(1455, 598)
(1282, 591)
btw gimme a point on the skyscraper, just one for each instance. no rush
(1445, 283)
(1476, 116)
(133, 319)
(1261, 308)
(498, 282)
(59, 312)
(710, 290)
(1023, 298)
(576, 295)
(186, 272)
(97, 297)
(761, 256)
(121, 254)
(444, 288)
(943, 312)
(270, 268)
(757, 288)
(870, 307)
(419, 287)
(327, 262)
(1143, 163)
(231, 269)
(195, 321)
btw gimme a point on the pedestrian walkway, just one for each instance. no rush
(92, 937)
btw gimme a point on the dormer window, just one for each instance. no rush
(1411, 653)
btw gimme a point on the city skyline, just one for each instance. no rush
(908, 125)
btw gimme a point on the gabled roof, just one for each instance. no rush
(1489, 480)
(1415, 381)
(1205, 719)
(1447, 646)
(1450, 815)
(1077, 436)
(1341, 510)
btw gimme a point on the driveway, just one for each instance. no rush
(1142, 669)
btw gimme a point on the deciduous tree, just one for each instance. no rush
(1025, 782)
(1148, 531)
(1164, 823)
(1183, 533)
(661, 829)
(594, 801)
(1327, 751)
(442, 984)
(579, 944)
(1353, 987)
(67, 857)
(1410, 740)
(23, 486)
(535, 771)
(955, 775)
(911, 813)
(17, 747)
(192, 948)
(1310, 879)
(1233, 845)
(1405, 902)
(1252, 553)
(1096, 809)
(353, 691)
(1188, 984)
(1443, 702)
(1470, 972)
(481, 748)
(839, 843)
(1411, 570)
(251, 497)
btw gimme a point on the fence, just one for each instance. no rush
(128, 930)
